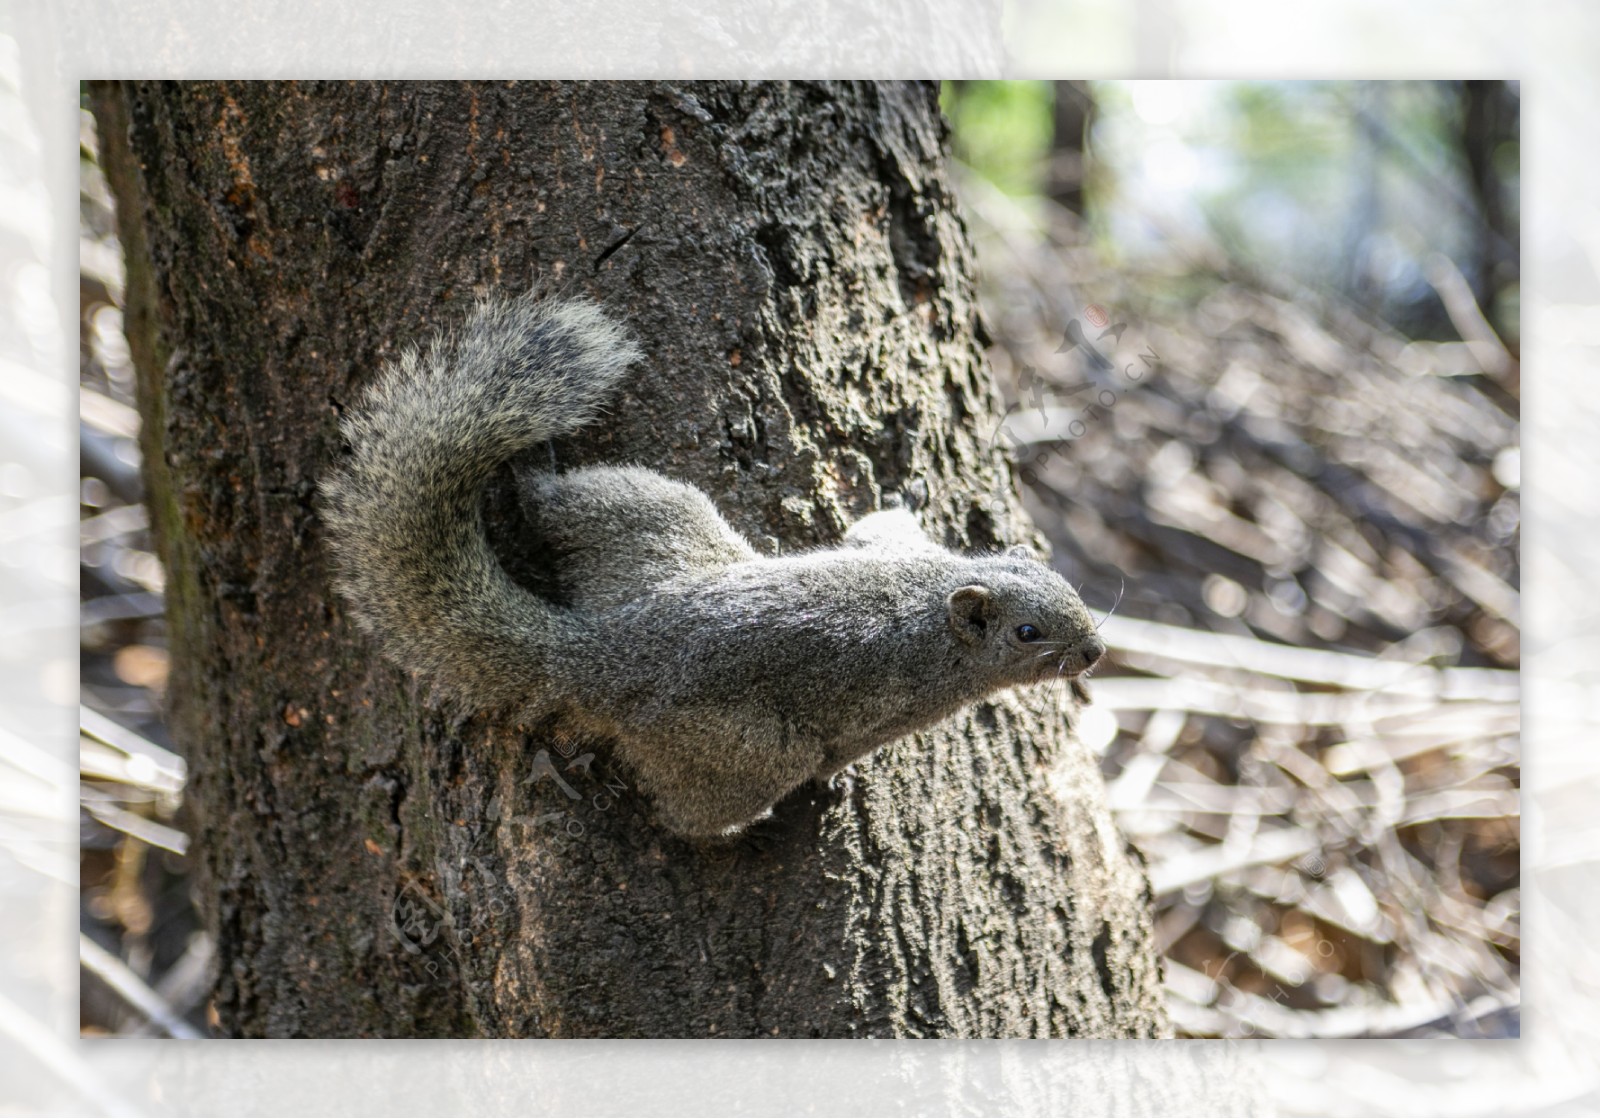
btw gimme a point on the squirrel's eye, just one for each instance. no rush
(1027, 633)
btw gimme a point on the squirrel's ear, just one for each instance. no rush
(1021, 551)
(970, 610)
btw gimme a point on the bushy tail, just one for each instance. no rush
(403, 512)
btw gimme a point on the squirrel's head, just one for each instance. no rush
(1023, 622)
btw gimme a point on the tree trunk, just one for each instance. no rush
(791, 257)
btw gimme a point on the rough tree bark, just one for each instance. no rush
(371, 864)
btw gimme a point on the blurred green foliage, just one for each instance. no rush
(1002, 130)
(1344, 187)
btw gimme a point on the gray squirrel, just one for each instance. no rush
(726, 679)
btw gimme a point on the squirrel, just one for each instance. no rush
(726, 678)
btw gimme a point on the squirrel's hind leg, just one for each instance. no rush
(617, 531)
(713, 775)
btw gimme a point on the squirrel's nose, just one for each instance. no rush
(1092, 649)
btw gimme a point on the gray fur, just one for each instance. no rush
(726, 679)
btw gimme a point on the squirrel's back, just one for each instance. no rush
(615, 532)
